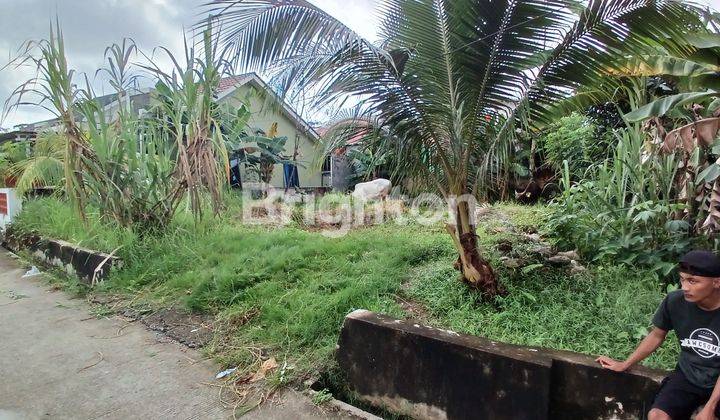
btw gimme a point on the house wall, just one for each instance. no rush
(264, 113)
(10, 206)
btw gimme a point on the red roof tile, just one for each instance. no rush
(233, 81)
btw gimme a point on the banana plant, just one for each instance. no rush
(694, 115)
(696, 67)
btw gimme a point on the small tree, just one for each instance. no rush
(449, 79)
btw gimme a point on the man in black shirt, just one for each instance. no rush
(694, 314)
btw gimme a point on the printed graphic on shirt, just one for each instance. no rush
(704, 342)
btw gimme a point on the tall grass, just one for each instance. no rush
(55, 218)
(134, 169)
(287, 290)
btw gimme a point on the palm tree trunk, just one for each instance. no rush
(475, 270)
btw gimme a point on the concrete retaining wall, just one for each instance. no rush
(88, 265)
(429, 373)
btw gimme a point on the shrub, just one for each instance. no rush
(574, 139)
(623, 212)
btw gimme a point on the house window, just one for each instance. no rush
(326, 174)
(290, 172)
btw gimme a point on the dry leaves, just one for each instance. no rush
(700, 133)
(267, 367)
(712, 222)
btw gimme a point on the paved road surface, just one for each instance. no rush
(58, 361)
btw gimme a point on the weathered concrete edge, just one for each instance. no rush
(603, 385)
(522, 351)
(432, 373)
(347, 408)
(88, 265)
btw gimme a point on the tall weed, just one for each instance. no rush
(134, 169)
(623, 211)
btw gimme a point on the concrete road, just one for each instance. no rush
(58, 361)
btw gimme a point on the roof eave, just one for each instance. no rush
(294, 116)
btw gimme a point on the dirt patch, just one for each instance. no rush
(414, 311)
(109, 300)
(192, 330)
(491, 214)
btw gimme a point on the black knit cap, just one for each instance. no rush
(700, 263)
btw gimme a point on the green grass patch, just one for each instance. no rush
(287, 290)
(604, 311)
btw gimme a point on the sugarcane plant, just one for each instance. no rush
(134, 169)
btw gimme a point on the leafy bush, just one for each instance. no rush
(10, 154)
(41, 164)
(574, 139)
(623, 212)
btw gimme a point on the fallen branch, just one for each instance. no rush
(94, 364)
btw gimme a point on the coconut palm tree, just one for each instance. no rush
(451, 80)
(43, 166)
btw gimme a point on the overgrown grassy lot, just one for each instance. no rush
(286, 290)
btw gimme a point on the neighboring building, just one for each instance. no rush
(303, 143)
(267, 108)
(140, 101)
(344, 176)
(17, 135)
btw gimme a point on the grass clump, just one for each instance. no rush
(54, 218)
(606, 310)
(283, 292)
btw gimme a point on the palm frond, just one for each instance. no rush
(605, 34)
(449, 78)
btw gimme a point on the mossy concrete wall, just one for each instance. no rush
(88, 265)
(429, 373)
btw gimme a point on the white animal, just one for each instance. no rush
(377, 189)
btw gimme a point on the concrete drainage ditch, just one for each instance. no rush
(343, 398)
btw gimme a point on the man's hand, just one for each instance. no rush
(707, 413)
(611, 364)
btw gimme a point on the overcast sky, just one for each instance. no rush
(91, 25)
